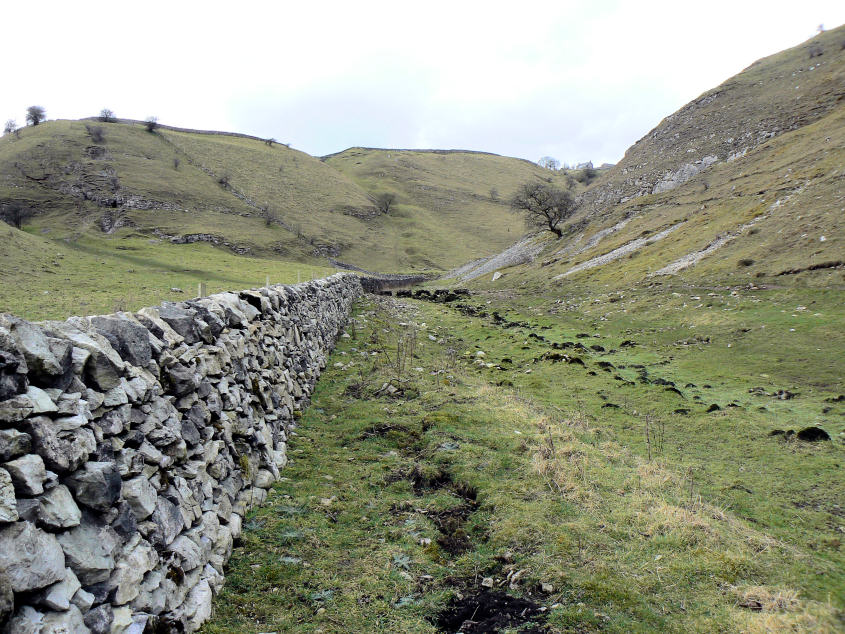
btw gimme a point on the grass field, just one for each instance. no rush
(45, 279)
(501, 468)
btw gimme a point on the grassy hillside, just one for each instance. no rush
(767, 209)
(259, 199)
(456, 201)
(779, 93)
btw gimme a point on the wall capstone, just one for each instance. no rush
(132, 445)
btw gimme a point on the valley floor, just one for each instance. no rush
(561, 467)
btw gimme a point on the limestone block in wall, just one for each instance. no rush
(13, 444)
(90, 549)
(58, 596)
(63, 443)
(28, 474)
(8, 507)
(29, 558)
(57, 509)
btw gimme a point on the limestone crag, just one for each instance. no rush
(133, 444)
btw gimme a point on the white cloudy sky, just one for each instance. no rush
(575, 80)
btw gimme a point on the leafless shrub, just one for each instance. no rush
(96, 133)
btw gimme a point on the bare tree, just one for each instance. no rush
(270, 216)
(384, 202)
(107, 116)
(10, 127)
(35, 115)
(549, 162)
(544, 206)
(151, 124)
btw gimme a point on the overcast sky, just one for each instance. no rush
(574, 80)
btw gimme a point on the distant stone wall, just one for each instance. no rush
(133, 444)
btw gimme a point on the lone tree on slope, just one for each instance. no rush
(543, 206)
(549, 162)
(384, 202)
(107, 116)
(10, 127)
(35, 115)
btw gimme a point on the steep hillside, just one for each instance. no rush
(455, 198)
(774, 95)
(744, 184)
(264, 199)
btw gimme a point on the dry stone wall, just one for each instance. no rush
(132, 445)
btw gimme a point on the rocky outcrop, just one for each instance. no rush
(132, 445)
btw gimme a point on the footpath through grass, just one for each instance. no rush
(453, 473)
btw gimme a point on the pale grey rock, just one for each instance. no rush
(57, 509)
(62, 443)
(79, 357)
(15, 409)
(73, 405)
(152, 597)
(114, 421)
(13, 443)
(97, 485)
(94, 398)
(160, 329)
(8, 506)
(29, 558)
(33, 344)
(141, 497)
(264, 479)
(90, 550)
(28, 474)
(121, 620)
(41, 402)
(58, 596)
(189, 554)
(235, 523)
(101, 371)
(197, 606)
(116, 396)
(168, 520)
(64, 622)
(27, 620)
(138, 558)
(152, 455)
(83, 600)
